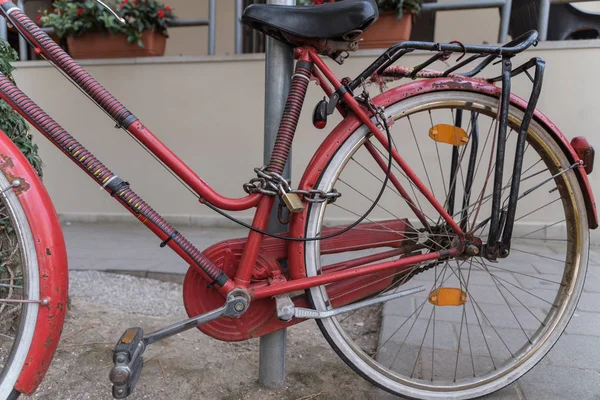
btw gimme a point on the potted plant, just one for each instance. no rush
(394, 24)
(92, 32)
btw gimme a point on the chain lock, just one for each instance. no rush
(273, 184)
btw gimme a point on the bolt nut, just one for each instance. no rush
(16, 183)
(121, 359)
(472, 250)
(239, 306)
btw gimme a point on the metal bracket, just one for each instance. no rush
(300, 312)
(15, 184)
(285, 307)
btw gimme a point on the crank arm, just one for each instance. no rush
(236, 305)
(300, 312)
(186, 325)
(129, 350)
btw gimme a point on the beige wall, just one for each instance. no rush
(210, 110)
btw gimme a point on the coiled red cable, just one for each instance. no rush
(289, 121)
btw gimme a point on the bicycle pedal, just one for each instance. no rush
(128, 362)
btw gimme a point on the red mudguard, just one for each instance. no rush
(52, 263)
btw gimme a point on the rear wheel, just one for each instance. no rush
(19, 282)
(480, 325)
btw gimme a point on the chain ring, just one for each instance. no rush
(200, 298)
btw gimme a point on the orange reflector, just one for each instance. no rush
(129, 336)
(448, 297)
(450, 134)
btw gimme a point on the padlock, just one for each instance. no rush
(291, 200)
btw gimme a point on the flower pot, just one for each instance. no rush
(387, 31)
(109, 45)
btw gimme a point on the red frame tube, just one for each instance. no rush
(306, 283)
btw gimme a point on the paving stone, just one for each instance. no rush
(474, 341)
(559, 383)
(585, 323)
(444, 334)
(592, 283)
(595, 256)
(589, 302)
(483, 278)
(508, 393)
(403, 307)
(501, 316)
(541, 281)
(577, 352)
(511, 392)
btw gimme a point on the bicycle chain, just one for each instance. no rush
(273, 184)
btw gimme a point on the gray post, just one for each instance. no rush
(543, 19)
(504, 21)
(278, 76)
(212, 24)
(238, 27)
(3, 28)
(23, 47)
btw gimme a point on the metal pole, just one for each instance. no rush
(461, 5)
(238, 27)
(23, 48)
(3, 29)
(278, 76)
(543, 19)
(504, 21)
(212, 23)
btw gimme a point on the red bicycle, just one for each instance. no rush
(431, 267)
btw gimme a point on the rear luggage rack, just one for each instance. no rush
(383, 70)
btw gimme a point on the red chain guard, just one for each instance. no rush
(261, 318)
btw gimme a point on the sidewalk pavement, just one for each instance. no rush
(571, 369)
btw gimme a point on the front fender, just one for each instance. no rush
(52, 263)
(351, 123)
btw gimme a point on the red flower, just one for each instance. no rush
(161, 14)
(39, 19)
(169, 9)
(80, 11)
(125, 1)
